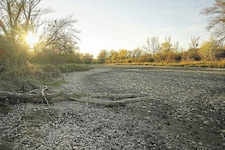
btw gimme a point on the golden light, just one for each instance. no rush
(31, 39)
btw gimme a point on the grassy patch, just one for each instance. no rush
(38, 117)
(34, 120)
(5, 110)
(30, 76)
(65, 68)
(33, 133)
(53, 83)
(6, 145)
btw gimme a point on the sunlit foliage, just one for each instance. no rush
(19, 19)
(169, 53)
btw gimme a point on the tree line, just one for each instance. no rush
(169, 52)
(166, 51)
(58, 39)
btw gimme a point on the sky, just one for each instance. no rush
(126, 24)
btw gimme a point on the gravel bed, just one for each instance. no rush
(190, 113)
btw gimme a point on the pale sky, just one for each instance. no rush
(126, 24)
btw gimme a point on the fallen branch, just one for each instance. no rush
(43, 94)
(30, 97)
(20, 97)
(107, 100)
(108, 103)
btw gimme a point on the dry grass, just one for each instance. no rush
(29, 76)
(208, 64)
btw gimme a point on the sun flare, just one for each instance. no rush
(31, 39)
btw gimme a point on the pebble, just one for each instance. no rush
(91, 127)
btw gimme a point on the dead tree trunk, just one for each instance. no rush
(41, 96)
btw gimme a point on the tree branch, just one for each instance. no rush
(37, 96)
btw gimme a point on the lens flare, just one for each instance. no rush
(31, 39)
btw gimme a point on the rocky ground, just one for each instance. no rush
(187, 113)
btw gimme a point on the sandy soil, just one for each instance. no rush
(189, 114)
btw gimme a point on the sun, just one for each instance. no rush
(31, 39)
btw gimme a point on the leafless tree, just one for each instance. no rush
(61, 35)
(194, 42)
(217, 19)
(176, 46)
(152, 44)
(17, 17)
(167, 45)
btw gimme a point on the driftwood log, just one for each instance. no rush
(42, 96)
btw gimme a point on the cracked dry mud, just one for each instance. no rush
(190, 113)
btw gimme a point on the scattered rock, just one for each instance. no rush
(185, 116)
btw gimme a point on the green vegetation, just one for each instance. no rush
(54, 83)
(6, 145)
(36, 118)
(5, 110)
(26, 61)
(29, 76)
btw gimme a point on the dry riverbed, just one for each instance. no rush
(187, 112)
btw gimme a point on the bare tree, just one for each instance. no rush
(176, 46)
(167, 45)
(152, 44)
(217, 21)
(61, 35)
(17, 17)
(194, 42)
